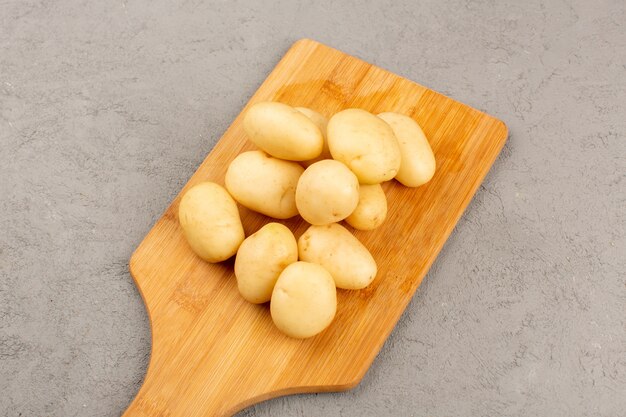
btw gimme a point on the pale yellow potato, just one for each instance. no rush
(210, 221)
(327, 192)
(365, 143)
(264, 184)
(418, 161)
(341, 253)
(282, 131)
(304, 300)
(371, 210)
(321, 122)
(260, 260)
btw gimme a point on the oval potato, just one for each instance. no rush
(282, 131)
(261, 258)
(264, 184)
(210, 221)
(366, 144)
(327, 192)
(371, 210)
(304, 300)
(418, 161)
(321, 122)
(340, 252)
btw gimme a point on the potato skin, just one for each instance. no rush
(282, 131)
(304, 300)
(418, 161)
(210, 221)
(264, 184)
(261, 258)
(371, 210)
(366, 144)
(321, 122)
(340, 252)
(327, 192)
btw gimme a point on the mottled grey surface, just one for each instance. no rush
(106, 109)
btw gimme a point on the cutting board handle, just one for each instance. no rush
(149, 402)
(201, 362)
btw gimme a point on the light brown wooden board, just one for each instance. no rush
(212, 352)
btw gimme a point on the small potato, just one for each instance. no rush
(418, 161)
(304, 300)
(336, 249)
(210, 221)
(366, 144)
(327, 192)
(283, 131)
(321, 122)
(264, 184)
(260, 260)
(371, 210)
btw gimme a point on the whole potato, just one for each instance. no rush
(283, 131)
(210, 221)
(336, 249)
(260, 260)
(366, 144)
(304, 300)
(327, 192)
(321, 122)
(418, 161)
(371, 210)
(264, 184)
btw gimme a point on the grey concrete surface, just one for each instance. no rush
(107, 107)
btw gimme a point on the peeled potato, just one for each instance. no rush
(282, 131)
(418, 161)
(210, 221)
(264, 184)
(304, 300)
(366, 144)
(371, 210)
(321, 122)
(260, 260)
(327, 192)
(336, 249)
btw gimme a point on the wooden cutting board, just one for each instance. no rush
(212, 352)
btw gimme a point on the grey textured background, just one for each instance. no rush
(107, 107)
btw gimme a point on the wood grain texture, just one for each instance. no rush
(212, 352)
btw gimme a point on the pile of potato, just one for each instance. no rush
(325, 171)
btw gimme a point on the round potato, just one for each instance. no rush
(210, 221)
(327, 192)
(264, 184)
(418, 161)
(366, 144)
(371, 210)
(321, 122)
(304, 300)
(283, 131)
(336, 249)
(260, 260)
